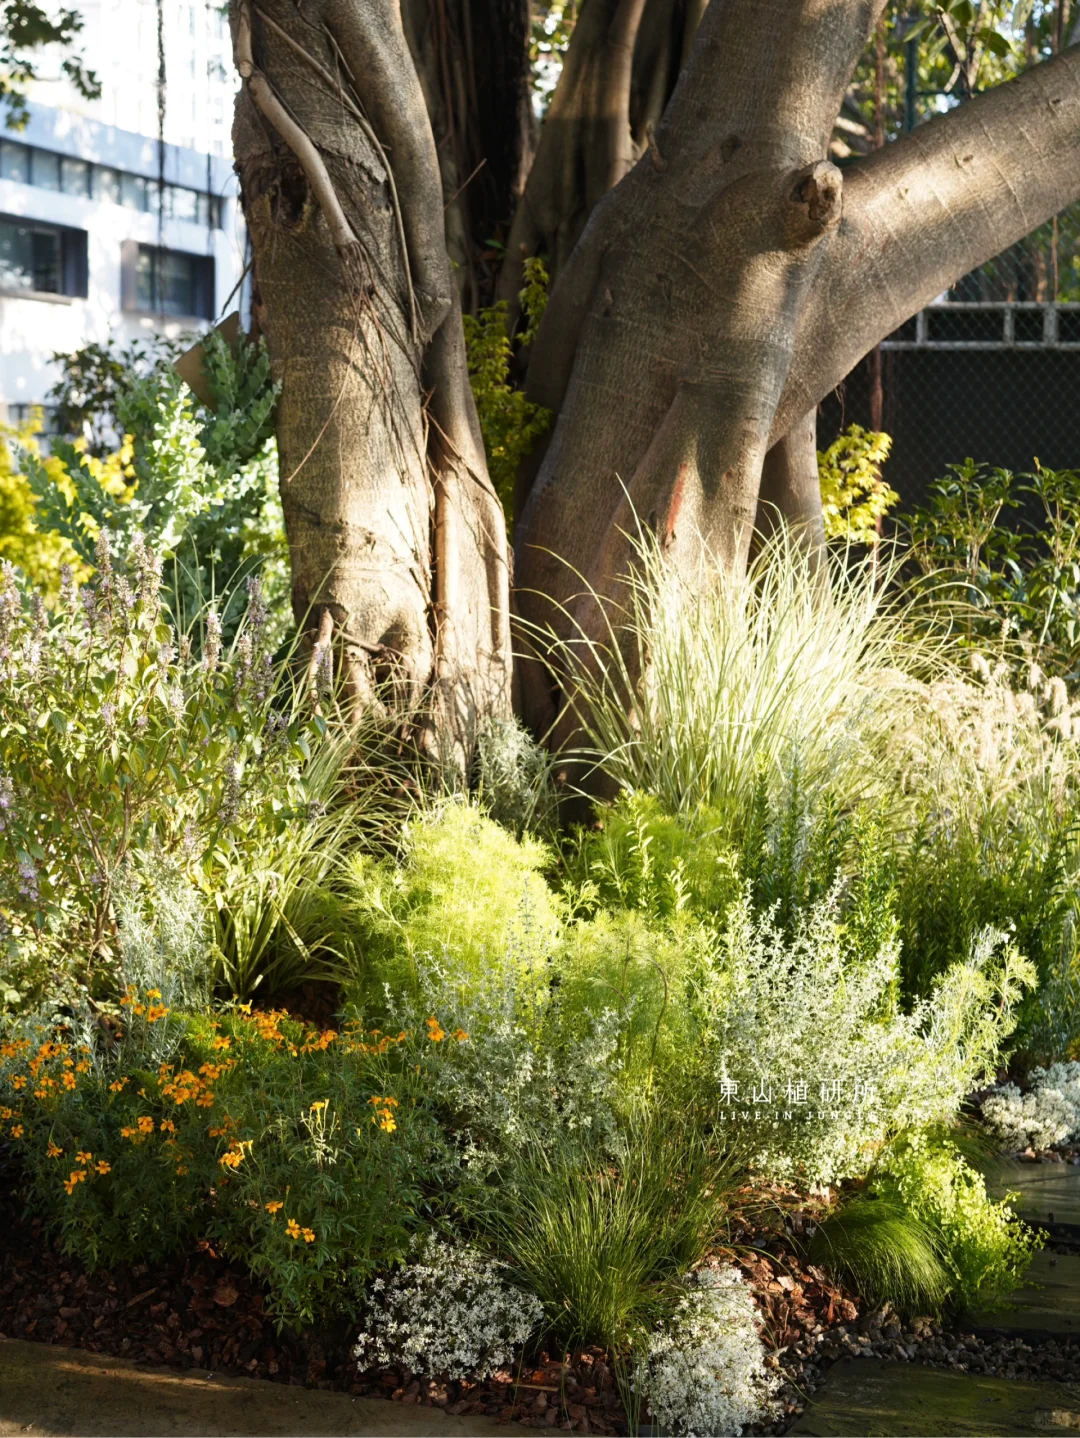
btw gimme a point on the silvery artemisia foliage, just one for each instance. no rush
(449, 1313)
(812, 1009)
(513, 1078)
(704, 1371)
(1049, 1113)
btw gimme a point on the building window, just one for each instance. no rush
(166, 282)
(28, 165)
(44, 170)
(14, 162)
(75, 177)
(41, 259)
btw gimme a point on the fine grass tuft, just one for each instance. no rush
(603, 1243)
(885, 1254)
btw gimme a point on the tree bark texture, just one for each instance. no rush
(716, 278)
(733, 278)
(393, 526)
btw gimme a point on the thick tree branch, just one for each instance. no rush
(924, 211)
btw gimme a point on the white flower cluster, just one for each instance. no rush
(705, 1372)
(1047, 1114)
(450, 1314)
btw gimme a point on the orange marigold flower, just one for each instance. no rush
(167, 1126)
(83, 1157)
(17, 1130)
(153, 993)
(103, 1167)
(69, 1080)
(117, 1085)
(436, 1032)
(77, 1175)
(205, 1100)
(222, 1043)
(292, 1228)
(308, 1234)
(82, 1067)
(18, 1080)
(274, 1206)
(52, 1151)
(69, 1063)
(460, 1035)
(155, 1012)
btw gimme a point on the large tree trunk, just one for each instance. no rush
(731, 280)
(394, 529)
(717, 276)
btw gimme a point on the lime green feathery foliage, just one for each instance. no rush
(854, 497)
(510, 423)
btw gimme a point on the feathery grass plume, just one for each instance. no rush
(743, 676)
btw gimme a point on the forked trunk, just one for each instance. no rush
(716, 278)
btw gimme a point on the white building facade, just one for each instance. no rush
(105, 232)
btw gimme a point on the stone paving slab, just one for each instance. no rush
(1048, 1306)
(1049, 1193)
(873, 1398)
(46, 1390)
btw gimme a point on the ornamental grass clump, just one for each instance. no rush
(601, 1233)
(701, 684)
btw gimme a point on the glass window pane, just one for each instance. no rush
(146, 278)
(106, 184)
(45, 169)
(133, 192)
(176, 284)
(46, 251)
(74, 177)
(184, 203)
(14, 162)
(29, 258)
(16, 258)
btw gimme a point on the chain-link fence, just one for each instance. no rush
(991, 370)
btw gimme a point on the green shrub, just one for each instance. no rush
(808, 1052)
(854, 497)
(116, 741)
(312, 1156)
(462, 887)
(199, 485)
(923, 1231)
(998, 559)
(509, 423)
